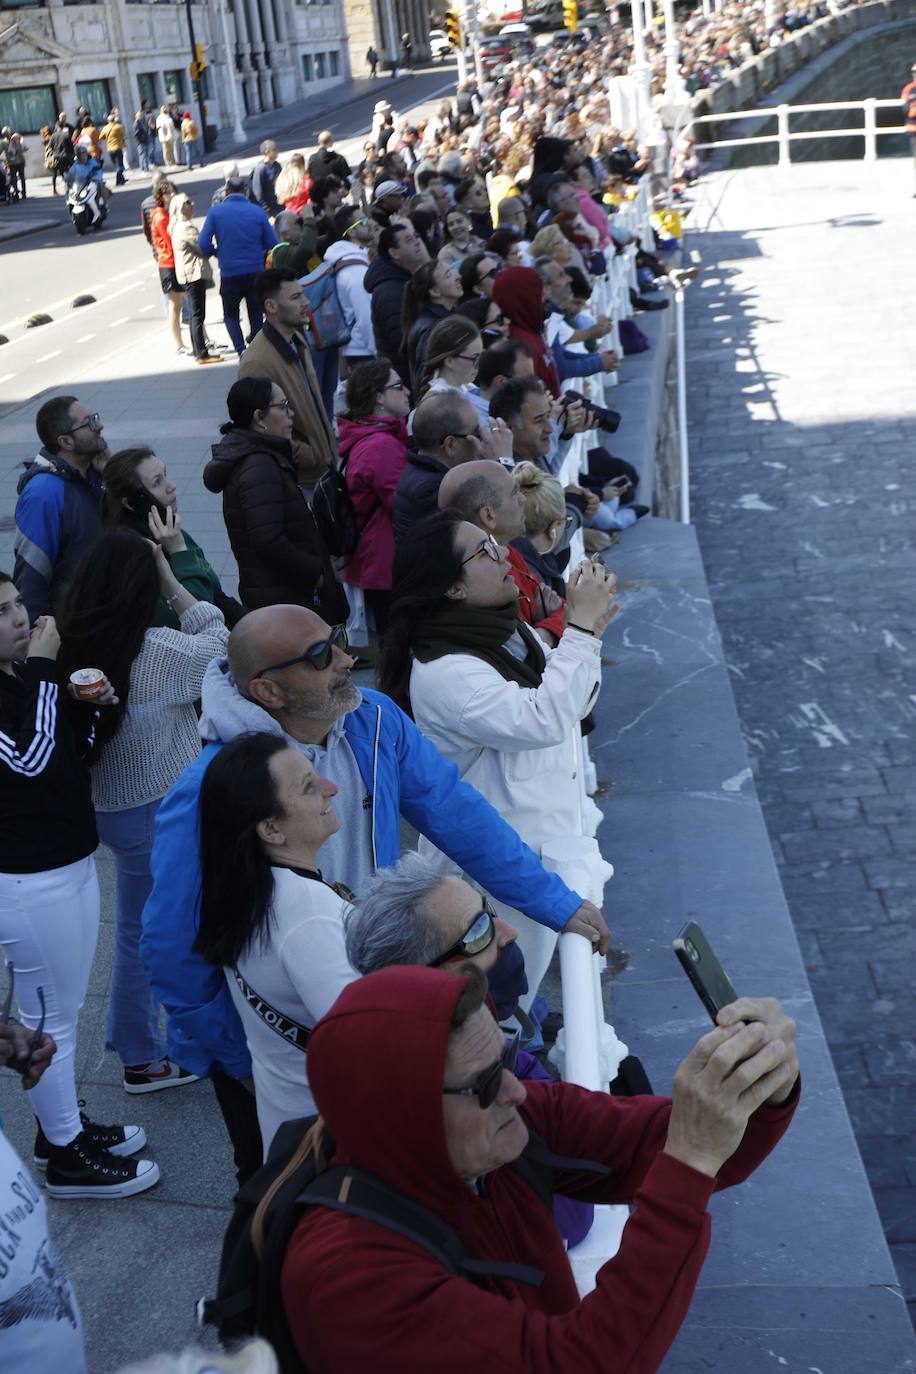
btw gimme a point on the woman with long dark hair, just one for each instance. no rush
(49, 897)
(140, 496)
(483, 688)
(140, 747)
(266, 914)
(430, 296)
(373, 448)
(281, 555)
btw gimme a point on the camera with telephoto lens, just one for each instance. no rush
(601, 417)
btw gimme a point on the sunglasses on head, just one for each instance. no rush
(487, 1083)
(479, 935)
(318, 655)
(21, 1064)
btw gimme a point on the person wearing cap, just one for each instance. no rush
(416, 1084)
(908, 101)
(387, 202)
(350, 255)
(326, 163)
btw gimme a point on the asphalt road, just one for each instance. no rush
(45, 271)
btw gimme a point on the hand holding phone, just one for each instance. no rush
(710, 981)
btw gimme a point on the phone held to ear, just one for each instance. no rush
(711, 983)
(143, 503)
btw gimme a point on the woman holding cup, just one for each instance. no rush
(108, 622)
(49, 893)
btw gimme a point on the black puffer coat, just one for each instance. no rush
(282, 557)
(386, 282)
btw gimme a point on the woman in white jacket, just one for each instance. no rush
(266, 914)
(481, 686)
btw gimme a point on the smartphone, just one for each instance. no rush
(711, 983)
(143, 503)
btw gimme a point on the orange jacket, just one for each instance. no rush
(908, 100)
(530, 603)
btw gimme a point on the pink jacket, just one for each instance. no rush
(376, 450)
(593, 213)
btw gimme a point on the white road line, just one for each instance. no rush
(143, 309)
(86, 338)
(115, 323)
(48, 356)
(8, 378)
(65, 319)
(88, 290)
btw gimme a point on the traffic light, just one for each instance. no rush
(200, 62)
(453, 28)
(570, 14)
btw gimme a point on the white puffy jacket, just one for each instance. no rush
(354, 298)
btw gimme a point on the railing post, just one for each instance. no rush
(871, 129)
(681, 368)
(782, 129)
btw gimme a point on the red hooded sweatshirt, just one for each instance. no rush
(519, 293)
(359, 1297)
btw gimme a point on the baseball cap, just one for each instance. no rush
(387, 188)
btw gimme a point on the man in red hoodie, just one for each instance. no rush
(410, 1071)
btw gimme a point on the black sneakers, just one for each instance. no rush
(81, 1169)
(117, 1140)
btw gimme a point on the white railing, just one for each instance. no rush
(785, 136)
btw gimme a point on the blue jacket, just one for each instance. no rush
(57, 518)
(569, 363)
(243, 236)
(405, 776)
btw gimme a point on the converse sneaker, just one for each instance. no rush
(81, 1170)
(149, 1078)
(117, 1140)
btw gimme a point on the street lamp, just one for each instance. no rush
(238, 129)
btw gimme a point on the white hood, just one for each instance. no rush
(343, 248)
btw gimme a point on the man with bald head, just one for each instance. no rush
(487, 494)
(288, 673)
(447, 433)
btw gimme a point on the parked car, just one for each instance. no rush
(494, 52)
(439, 46)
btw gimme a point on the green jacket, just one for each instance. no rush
(196, 576)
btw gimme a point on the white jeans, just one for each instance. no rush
(49, 925)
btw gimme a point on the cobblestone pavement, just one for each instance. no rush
(802, 431)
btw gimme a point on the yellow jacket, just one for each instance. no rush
(115, 136)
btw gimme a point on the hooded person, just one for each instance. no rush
(519, 293)
(443, 1122)
(550, 163)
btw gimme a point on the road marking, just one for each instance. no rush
(48, 356)
(8, 378)
(65, 319)
(115, 323)
(86, 338)
(87, 290)
(144, 308)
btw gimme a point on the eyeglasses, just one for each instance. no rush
(93, 421)
(470, 434)
(489, 547)
(479, 935)
(318, 655)
(487, 275)
(497, 320)
(395, 386)
(470, 358)
(280, 405)
(21, 1063)
(487, 1084)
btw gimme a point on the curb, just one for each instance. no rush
(7, 234)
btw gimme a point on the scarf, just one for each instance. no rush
(483, 632)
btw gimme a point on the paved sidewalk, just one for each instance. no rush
(802, 431)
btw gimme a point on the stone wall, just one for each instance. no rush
(861, 53)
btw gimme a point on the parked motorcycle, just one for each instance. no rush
(86, 206)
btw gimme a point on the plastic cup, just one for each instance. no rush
(87, 683)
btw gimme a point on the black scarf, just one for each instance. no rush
(459, 629)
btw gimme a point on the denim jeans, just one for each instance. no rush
(117, 162)
(234, 290)
(190, 153)
(132, 1025)
(143, 156)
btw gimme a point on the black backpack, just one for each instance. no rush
(270, 1205)
(334, 514)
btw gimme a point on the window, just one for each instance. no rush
(146, 84)
(307, 66)
(95, 96)
(174, 87)
(334, 59)
(25, 110)
(319, 66)
(20, 5)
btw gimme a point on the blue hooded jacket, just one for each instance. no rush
(404, 775)
(57, 518)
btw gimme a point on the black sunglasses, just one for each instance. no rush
(487, 1083)
(22, 1063)
(318, 655)
(479, 935)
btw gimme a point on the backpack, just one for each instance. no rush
(324, 313)
(334, 514)
(270, 1205)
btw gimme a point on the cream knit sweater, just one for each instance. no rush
(158, 736)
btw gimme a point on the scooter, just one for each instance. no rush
(86, 207)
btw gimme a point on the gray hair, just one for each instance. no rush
(283, 221)
(230, 170)
(438, 415)
(387, 925)
(268, 146)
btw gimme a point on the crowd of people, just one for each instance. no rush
(394, 456)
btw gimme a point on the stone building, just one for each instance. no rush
(58, 54)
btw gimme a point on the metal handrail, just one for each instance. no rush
(785, 137)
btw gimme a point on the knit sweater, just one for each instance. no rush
(158, 736)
